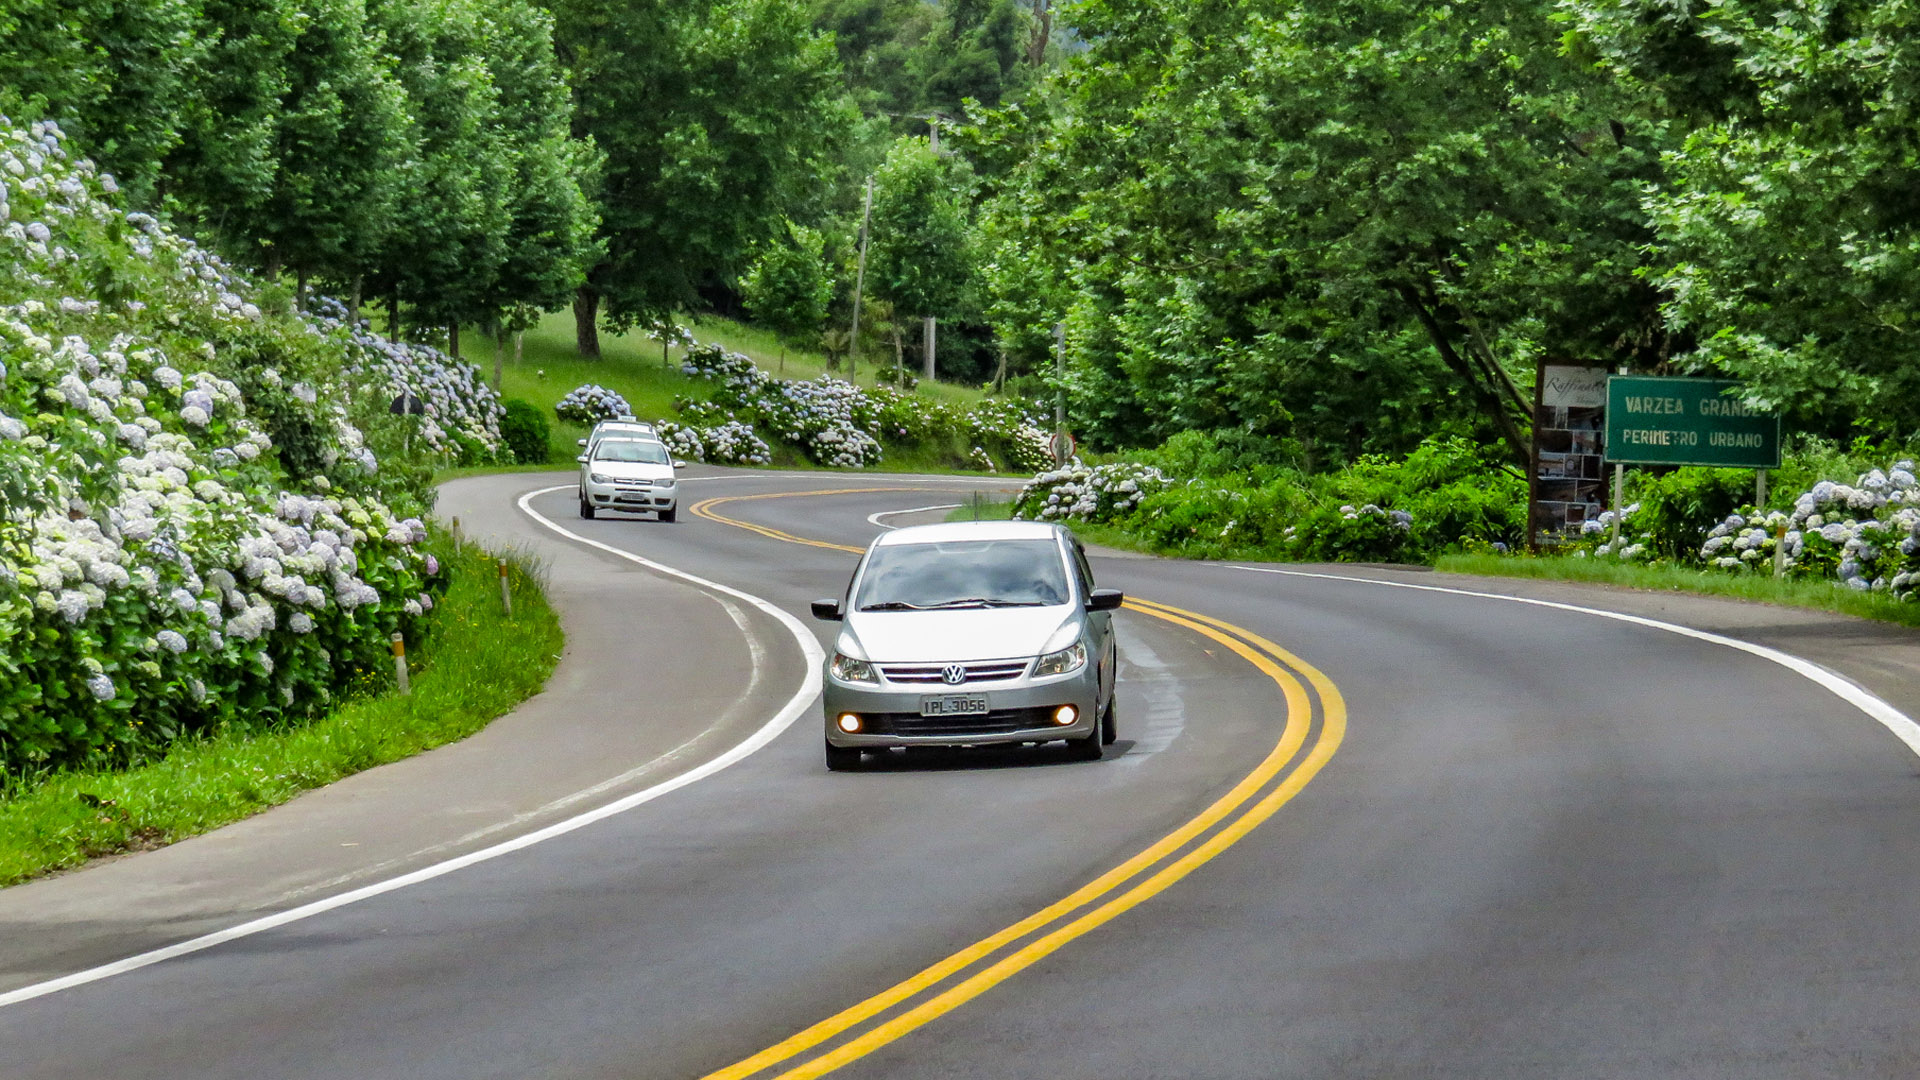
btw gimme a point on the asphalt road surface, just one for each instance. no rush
(1349, 830)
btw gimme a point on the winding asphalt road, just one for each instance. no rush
(1351, 829)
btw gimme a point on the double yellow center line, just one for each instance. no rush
(946, 985)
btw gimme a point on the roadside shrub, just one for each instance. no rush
(1678, 508)
(166, 566)
(1102, 493)
(1348, 533)
(590, 404)
(525, 430)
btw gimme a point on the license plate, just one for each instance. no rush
(954, 705)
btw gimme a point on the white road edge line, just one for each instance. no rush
(874, 519)
(798, 704)
(1902, 725)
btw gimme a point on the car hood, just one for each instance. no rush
(909, 637)
(631, 470)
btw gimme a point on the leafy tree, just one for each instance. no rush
(114, 73)
(920, 248)
(715, 116)
(787, 288)
(1254, 211)
(444, 254)
(1787, 221)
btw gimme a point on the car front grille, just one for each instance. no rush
(997, 722)
(977, 672)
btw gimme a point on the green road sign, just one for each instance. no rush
(1677, 421)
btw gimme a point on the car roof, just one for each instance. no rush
(611, 426)
(969, 530)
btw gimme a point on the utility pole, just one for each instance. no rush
(859, 284)
(1060, 368)
(927, 339)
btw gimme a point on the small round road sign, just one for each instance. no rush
(1062, 445)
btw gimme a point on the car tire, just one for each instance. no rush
(586, 508)
(668, 515)
(1087, 748)
(842, 758)
(1109, 730)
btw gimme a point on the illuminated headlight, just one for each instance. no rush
(848, 723)
(847, 669)
(1065, 714)
(599, 479)
(1071, 658)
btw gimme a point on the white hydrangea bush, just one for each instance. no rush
(727, 443)
(1866, 535)
(590, 404)
(164, 569)
(1078, 492)
(840, 424)
(1596, 540)
(463, 413)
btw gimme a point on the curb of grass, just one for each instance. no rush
(465, 673)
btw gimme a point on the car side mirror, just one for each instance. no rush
(678, 464)
(827, 610)
(579, 442)
(1105, 599)
(582, 459)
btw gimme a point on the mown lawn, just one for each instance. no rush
(474, 666)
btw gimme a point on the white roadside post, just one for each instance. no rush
(400, 665)
(506, 595)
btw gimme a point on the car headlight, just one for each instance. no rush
(1071, 658)
(668, 482)
(847, 669)
(599, 479)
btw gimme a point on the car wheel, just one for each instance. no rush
(668, 515)
(1087, 748)
(1109, 731)
(842, 758)
(586, 508)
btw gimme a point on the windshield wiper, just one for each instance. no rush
(893, 605)
(981, 601)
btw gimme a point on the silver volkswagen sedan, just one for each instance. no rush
(968, 635)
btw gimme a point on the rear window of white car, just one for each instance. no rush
(963, 574)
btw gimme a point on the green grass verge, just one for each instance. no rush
(472, 667)
(1822, 595)
(632, 366)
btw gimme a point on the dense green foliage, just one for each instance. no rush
(525, 430)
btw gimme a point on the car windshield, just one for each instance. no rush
(645, 453)
(963, 574)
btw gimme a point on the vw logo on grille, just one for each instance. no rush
(953, 674)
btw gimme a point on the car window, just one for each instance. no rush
(631, 450)
(963, 573)
(1083, 568)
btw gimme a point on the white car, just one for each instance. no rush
(625, 427)
(632, 475)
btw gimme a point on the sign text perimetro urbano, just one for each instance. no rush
(1668, 420)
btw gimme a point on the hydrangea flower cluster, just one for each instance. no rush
(1865, 534)
(590, 404)
(1596, 538)
(979, 459)
(462, 421)
(1100, 493)
(728, 443)
(840, 424)
(161, 571)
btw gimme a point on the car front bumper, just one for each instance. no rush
(621, 496)
(1019, 711)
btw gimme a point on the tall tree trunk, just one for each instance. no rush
(1042, 32)
(271, 268)
(586, 322)
(1000, 373)
(393, 315)
(899, 351)
(300, 290)
(353, 303)
(1489, 400)
(453, 339)
(499, 351)
(519, 339)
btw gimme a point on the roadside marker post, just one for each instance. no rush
(506, 595)
(400, 666)
(1779, 550)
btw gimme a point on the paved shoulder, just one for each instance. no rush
(658, 676)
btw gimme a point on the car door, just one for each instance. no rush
(1100, 622)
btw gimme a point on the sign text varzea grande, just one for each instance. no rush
(1667, 420)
